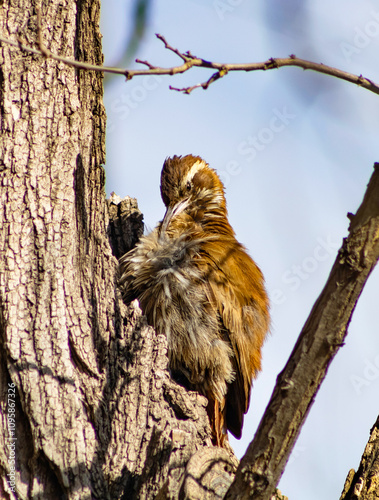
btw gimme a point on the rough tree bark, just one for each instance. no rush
(87, 406)
(82, 377)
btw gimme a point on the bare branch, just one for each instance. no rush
(190, 61)
(323, 334)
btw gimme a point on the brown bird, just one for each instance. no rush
(197, 285)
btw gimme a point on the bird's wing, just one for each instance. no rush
(236, 287)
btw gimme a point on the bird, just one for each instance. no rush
(198, 286)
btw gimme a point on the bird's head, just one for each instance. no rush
(189, 186)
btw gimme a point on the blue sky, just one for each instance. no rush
(295, 150)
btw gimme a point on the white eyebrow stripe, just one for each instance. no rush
(198, 165)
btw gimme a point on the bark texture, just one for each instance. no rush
(87, 407)
(322, 335)
(52, 150)
(364, 484)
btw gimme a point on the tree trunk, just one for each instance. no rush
(87, 408)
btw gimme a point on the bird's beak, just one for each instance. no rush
(171, 212)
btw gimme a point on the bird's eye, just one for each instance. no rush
(188, 186)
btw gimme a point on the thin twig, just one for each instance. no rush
(205, 85)
(190, 61)
(175, 51)
(146, 63)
